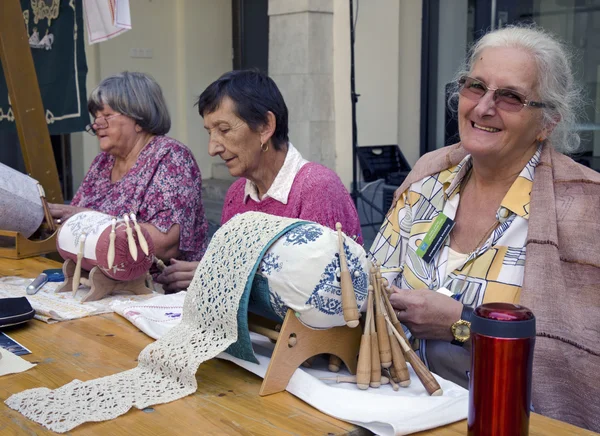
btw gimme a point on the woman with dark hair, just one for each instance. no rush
(141, 170)
(246, 119)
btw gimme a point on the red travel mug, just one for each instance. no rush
(502, 339)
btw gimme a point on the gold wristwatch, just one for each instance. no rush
(461, 329)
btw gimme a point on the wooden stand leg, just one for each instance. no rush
(102, 285)
(68, 270)
(343, 342)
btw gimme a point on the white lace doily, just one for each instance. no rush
(167, 368)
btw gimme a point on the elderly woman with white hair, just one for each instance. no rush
(526, 224)
(140, 170)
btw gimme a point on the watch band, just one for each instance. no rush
(466, 314)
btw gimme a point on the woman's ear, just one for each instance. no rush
(138, 128)
(547, 131)
(268, 129)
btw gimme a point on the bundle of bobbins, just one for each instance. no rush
(384, 348)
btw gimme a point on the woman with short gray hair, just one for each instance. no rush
(523, 220)
(141, 170)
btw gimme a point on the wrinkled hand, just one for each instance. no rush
(178, 275)
(427, 314)
(62, 212)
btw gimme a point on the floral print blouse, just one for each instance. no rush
(163, 188)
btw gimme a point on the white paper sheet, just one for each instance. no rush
(11, 364)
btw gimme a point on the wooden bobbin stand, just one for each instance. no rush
(100, 284)
(296, 343)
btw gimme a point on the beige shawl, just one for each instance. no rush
(561, 284)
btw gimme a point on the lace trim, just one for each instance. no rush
(167, 368)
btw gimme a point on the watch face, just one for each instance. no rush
(461, 330)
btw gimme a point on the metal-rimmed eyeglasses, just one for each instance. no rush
(100, 123)
(505, 99)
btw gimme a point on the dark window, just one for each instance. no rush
(250, 34)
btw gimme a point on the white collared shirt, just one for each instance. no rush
(282, 185)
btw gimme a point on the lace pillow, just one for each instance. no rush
(303, 272)
(97, 227)
(300, 271)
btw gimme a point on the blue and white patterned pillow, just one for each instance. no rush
(302, 269)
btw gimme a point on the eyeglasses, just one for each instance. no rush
(100, 123)
(505, 99)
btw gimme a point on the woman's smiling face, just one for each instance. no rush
(486, 131)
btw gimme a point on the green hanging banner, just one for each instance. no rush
(55, 29)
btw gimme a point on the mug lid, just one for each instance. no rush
(503, 320)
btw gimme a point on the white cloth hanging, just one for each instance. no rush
(105, 19)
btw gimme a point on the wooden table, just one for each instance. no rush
(226, 402)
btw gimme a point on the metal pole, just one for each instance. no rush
(354, 98)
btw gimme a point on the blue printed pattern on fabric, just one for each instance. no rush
(277, 304)
(301, 270)
(326, 296)
(270, 263)
(303, 234)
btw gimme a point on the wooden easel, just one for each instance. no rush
(100, 284)
(295, 343)
(26, 100)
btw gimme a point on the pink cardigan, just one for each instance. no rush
(317, 195)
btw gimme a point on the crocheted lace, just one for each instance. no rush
(167, 368)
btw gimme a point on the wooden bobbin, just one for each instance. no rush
(398, 360)
(308, 362)
(47, 214)
(429, 382)
(363, 373)
(335, 363)
(140, 235)
(271, 334)
(77, 272)
(395, 386)
(385, 352)
(375, 360)
(352, 379)
(349, 304)
(159, 264)
(130, 241)
(110, 254)
(393, 374)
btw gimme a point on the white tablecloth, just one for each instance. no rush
(383, 410)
